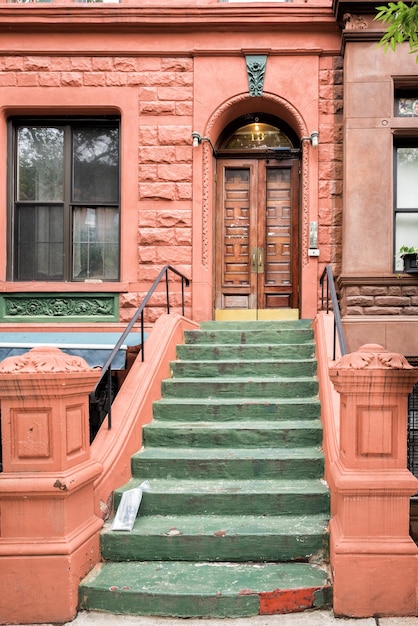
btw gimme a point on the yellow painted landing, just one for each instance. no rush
(244, 315)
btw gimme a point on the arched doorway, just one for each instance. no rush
(257, 220)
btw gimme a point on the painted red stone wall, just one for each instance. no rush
(164, 176)
(165, 81)
(330, 160)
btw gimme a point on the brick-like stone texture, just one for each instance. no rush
(164, 172)
(330, 158)
(379, 300)
(164, 88)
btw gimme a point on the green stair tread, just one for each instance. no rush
(218, 538)
(247, 351)
(257, 324)
(190, 578)
(233, 434)
(239, 425)
(231, 409)
(229, 454)
(312, 424)
(226, 496)
(210, 525)
(240, 387)
(235, 361)
(250, 487)
(224, 462)
(246, 402)
(248, 378)
(271, 368)
(238, 337)
(182, 589)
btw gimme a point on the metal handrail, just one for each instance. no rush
(328, 278)
(107, 367)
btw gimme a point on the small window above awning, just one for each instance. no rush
(93, 347)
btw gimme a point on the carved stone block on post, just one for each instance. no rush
(373, 558)
(45, 413)
(49, 531)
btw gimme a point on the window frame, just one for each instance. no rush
(401, 142)
(68, 123)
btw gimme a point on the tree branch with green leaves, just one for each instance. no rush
(401, 23)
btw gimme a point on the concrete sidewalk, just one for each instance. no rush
(308, 618)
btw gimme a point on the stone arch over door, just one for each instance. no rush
(227, 112)
(230, 110)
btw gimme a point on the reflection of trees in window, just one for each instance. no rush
(40, 164)
(407, 155)
(96, 165)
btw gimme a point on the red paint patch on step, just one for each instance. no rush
(246, 592)
(287, 600)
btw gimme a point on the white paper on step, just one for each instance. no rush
(128, 507)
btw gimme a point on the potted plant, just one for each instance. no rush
(409, 256)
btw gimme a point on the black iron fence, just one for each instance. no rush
(412, 454)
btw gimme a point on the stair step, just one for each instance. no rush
(217, 538)
(239, 387)
(230, 497)
(263, 367)
(246, 352)
(258, 324)
(233, 434)
(231, 409)
(223, 463)
(256, 335)
(196, 589)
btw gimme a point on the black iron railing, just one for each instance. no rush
(412, 443)
(329, 295)
(103, 394)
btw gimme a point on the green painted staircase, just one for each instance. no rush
(235, 520)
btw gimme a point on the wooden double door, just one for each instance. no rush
(257, 234)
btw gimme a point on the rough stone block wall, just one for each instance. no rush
(164, 202)
(380, 300)
(330, 163)
(165, 101)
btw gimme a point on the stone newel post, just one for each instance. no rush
(373, 558)
(49, 532)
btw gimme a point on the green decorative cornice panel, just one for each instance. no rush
(59, 307)
(256, 69)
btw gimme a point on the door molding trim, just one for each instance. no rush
(212, 130)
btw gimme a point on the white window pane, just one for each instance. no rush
(407, 178)
(95, 243)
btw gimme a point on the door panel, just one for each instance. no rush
(256, 235)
